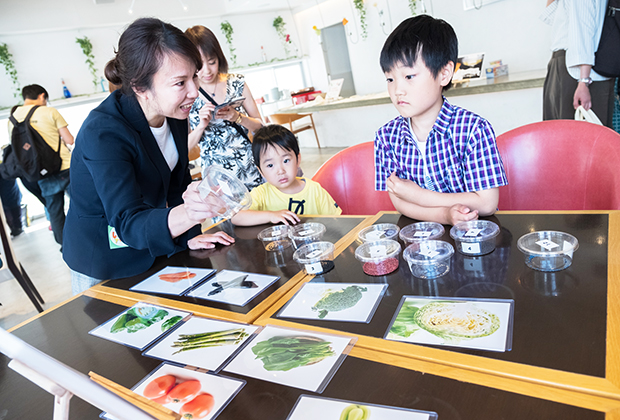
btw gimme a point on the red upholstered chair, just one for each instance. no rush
(349, 177)
(560, 165)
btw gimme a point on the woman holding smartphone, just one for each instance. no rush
(223, 138)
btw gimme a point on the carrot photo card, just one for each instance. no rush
(203, 343)
(483, 324)
(190, 393)
(313, 407)
(297, 358)
(173, 280)
(140, 325)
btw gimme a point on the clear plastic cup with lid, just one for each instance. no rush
(429, 259)
(421, 231)
(379, 258)
(316, 257)
(275, 237)
(378, 232)
(224, 191)
(476, 237)
(306, 233)
(548, 250)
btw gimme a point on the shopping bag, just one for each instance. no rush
(581, 114)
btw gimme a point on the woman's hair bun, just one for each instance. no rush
(112, 73)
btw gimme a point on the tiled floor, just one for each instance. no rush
(41, 258)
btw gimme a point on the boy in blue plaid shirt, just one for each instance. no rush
(438, 162)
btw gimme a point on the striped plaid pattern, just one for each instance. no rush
(461, 153)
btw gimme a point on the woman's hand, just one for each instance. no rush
(208, 240)
(460, 213)
(227, 113)
(205, 114)
(197, 209)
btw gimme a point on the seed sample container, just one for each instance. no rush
(378, 258)
(224, 191)
(548, 250)
(315, 258)
(275, 237)
(306, 233)
(378, 232)
(422, 231)
(429, 259)
(476, 237)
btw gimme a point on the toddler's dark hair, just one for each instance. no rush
(273, 135)
(422, 35)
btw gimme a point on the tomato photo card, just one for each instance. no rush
(233, 287)
(313, 407)
(482, 324)
(297, 358)
(203, 342)
(173, 280)
(335, 302)
(140, 325)
(190, 393)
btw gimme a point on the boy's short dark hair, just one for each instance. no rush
(273, 135)
(33, 92)
(433, 38)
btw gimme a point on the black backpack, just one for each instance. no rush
(29, 156)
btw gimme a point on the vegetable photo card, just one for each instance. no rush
(192, 394)
(483, 324)
(173, 280)
(297, 358)
(233, 287)
(335, 302)
(203, 343)
(140, 325)
(312, 407)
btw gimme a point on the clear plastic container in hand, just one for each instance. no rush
(306, 233)
(548, 250)
(378, 258)
(224, 188)
(378, 232)
(421, 231)
(476, 237)
(429, 259)
(316, 257)
(275, 237)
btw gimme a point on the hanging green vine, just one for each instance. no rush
(6, 58)
(413, 6)
(87, 49)
(279, 25)
(361, 8)
(227, 29)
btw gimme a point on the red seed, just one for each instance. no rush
(381, 268)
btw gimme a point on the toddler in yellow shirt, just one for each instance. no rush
(285, 195)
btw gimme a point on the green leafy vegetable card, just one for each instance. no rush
(140, 325)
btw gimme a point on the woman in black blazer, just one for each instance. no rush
(132, 199)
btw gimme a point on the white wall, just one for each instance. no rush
(44, 48)
(508, 30)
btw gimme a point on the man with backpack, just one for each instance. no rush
(48, 122)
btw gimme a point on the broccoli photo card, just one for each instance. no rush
(233, 287)
(202, 342)
(140, 325)
(335, 302)
(297, 358)
(173, 280)
(190, 393)
(483, 324)
(313, 407)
